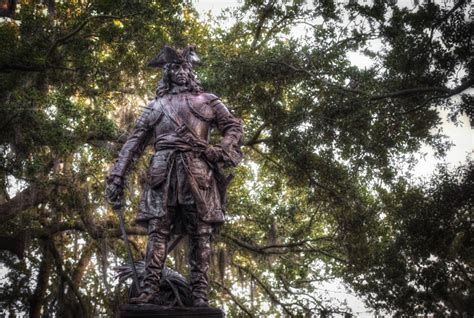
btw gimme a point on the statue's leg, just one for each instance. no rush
(158, 237)
(199, 257)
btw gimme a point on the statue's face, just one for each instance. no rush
(180, 73)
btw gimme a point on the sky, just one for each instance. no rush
(461, 136)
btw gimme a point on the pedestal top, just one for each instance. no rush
(155, 311)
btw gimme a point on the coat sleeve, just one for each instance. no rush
(232, 132)
(135, 144)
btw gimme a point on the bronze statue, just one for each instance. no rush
(185, 190)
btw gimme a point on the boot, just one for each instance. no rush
(142, 299)
(199, 302)
(154, 260)
(199, 259)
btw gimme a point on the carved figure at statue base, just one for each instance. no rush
(185, 192)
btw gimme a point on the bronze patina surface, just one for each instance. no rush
(185, 189)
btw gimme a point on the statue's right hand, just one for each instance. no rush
(114, 191)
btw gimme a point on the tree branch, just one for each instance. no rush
(267, 289)
(81, 25)
(265, 156)
(234, 298)
(277, 26)
(397, 94)
(28, 198)
(109, 229)
(286, 285)
(5, 68)
(272, 248)
(296, 69)
(263, 16)
(411, 91)
(255, 138)
(82, 264)
(450, 93)
(59, 265)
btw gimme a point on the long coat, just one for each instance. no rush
(178, 126)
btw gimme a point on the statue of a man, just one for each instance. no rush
(185, 190)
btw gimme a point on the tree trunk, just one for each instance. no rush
(36, 300)
(82, 265)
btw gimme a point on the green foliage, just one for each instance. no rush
(320, 194)
(424, 255)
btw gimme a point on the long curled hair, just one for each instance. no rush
(165, 84)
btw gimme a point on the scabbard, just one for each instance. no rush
(119, 211)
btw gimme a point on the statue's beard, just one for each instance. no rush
(177, 88)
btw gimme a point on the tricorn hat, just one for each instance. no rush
(172, 55)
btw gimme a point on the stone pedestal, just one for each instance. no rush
(155, 311)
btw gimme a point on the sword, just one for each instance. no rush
(119, 210)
